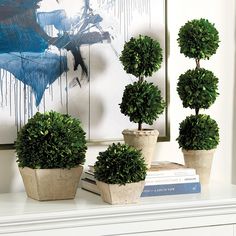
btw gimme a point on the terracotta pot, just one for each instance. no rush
(144, 140)
(51, 184)
(120, 194)
(201, 161)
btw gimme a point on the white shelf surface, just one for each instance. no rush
(216, 205)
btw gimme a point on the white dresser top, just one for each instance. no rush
(19, 213)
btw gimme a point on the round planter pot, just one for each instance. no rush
(201, 161)
(120, 194)
(144, 140)
(51, 184)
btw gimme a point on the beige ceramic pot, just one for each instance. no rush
(201, 161)
(51, 184)
(120, 194)
(144, 140)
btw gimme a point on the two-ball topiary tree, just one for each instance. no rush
(197, 88)
(142, 101)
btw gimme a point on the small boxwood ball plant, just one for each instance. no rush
(120, 164)
(142, 101)
(51, 140)
(198, 88)
(198, 132)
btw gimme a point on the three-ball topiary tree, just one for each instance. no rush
(197, 88)
(142, 101)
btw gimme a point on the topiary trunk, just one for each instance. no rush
(139, 126)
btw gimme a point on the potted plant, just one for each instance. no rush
(197, 88)
(50, 151)
(120, 172)
(142, 101)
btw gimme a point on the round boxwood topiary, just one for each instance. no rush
(142, 102)
(120, 164)
(197, 88)
(141, 56)
(198, 39)
(51, 140)
(198, 132)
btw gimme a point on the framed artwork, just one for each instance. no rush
(63, 55)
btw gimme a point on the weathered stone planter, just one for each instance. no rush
(51, 184)
(144, 140)
(120, 194)
(201, 160)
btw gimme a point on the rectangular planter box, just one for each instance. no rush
(51, 184)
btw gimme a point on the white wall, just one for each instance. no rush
(221, 12)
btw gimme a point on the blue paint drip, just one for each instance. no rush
(22, 66)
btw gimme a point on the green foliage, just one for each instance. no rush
(197, 88)
(120, 164)
(198, 39)
(51, 140)
(198, 132)
(141, 56)
(142, 102)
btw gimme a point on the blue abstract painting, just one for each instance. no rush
(24, 43)
(46, 54)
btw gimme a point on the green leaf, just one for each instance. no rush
(197, 88)
(120, 164)
(198, 39)
(141, 56)
(51, 140)
(198, 132)
(142, 102)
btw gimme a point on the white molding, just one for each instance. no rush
(87, 211)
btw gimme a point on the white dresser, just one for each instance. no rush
(213, 212)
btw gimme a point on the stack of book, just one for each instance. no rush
(88, 181)
(163, 178)
(168, 178)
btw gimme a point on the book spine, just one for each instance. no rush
(89, 175)
(168, 173)
(171, 180)
(171, 189)
(89, 186)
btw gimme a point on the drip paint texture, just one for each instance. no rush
(35, 43)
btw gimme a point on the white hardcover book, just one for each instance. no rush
(172, 180)
(166, 168)
(173, 172)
